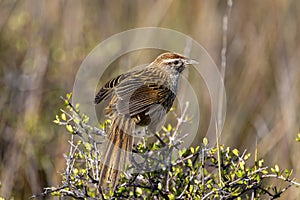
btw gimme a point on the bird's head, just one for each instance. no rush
(173, 61)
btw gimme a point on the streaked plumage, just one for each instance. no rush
(140, 97)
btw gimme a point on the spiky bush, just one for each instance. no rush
(197, 172)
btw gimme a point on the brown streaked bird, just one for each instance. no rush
(141, 97)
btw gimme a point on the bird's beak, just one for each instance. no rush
(191, 62)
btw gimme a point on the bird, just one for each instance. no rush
(137, 98)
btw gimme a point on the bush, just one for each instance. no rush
(197, 172)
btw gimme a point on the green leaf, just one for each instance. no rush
(88, 146)
(191, 188)
(247, 156)
(165, 129)
(169, 127)
(181, 152)
(57, 193)
(242, 165)
(66, 102)
(57, 120)
(190, 163)
(69, 128)
(235, 152)
(277, 168)
(69, 95)
(205, 141)
(171, 196)
(83, 171)
(76, 120)
(139, 191)
(75, 170)
(159, 186)
(260, 163)
(192, 150)
(63, 116)
(121, 189)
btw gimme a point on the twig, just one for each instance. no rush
(219, 156)
(223, 59)
(252, 173)
(179, 123)
(208, 194)
(280, 177)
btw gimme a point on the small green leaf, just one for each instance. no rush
(191, 188)
(63, 117)
(57, 120)
(247, 156)
(56, 193)
(181, 152)
(76, 120)
(169, 128)
(75, 170)
(139, 190)
(85, 119)
(83, 171)
(69, 95)
(277, 168)
(121, 189)
(205, 141)
(69, 128)
(88, 146)
(190, 163)
(171, 196)
(66, 102)
(260, 163)
(77, 107)
(192, 150)
(235, 152)
(159, 186)
(242, 165)
(165, 129)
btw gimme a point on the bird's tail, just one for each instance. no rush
(116, 152)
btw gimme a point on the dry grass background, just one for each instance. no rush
(42, 44)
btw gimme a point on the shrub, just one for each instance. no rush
(197, 172)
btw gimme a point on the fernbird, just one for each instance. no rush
(141, 97)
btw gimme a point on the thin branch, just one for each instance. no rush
(223, 59)
(280, 177)
(252, 173)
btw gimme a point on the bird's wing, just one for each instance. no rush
(107, 90)
(142, 93)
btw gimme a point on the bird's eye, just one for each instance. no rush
(176, 62)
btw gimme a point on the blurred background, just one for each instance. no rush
(42, 44)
